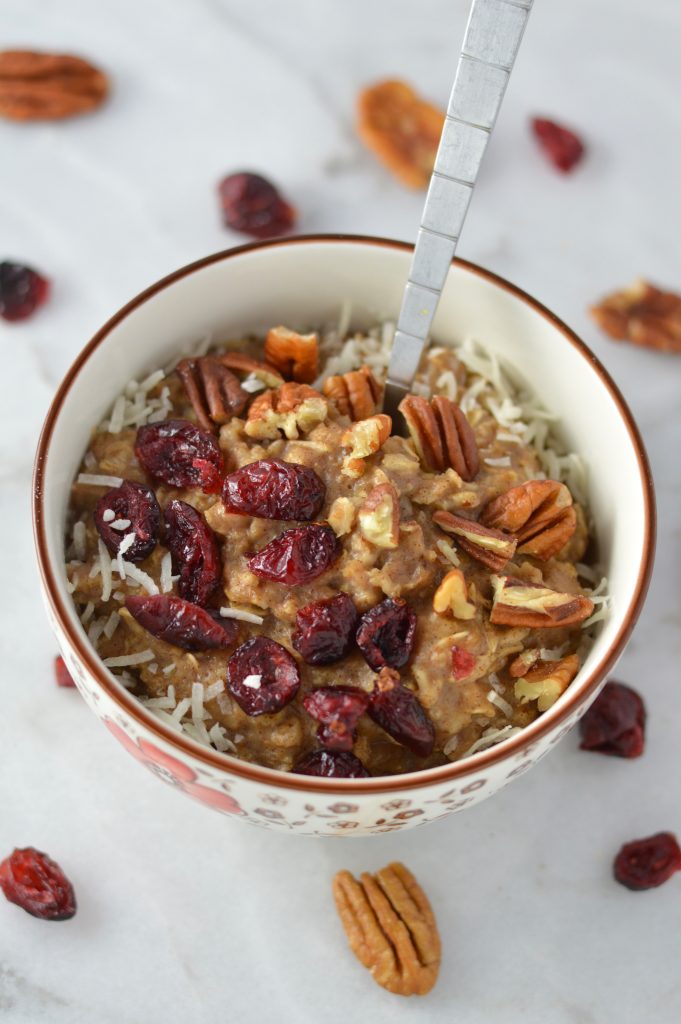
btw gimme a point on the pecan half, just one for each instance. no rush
(451, 597)
(391, 928)
(491, 547)
(356, 394)
(519, 603)
(643, 314)
(441, 434)
(213, 390)
(547, 681)
(379, 516)
(241, 363)
(364, 439)
(401, 129)
(294, 355)
(538, 513)
(292, 409)
(48, 86)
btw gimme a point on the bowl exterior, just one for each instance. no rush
(621, 495)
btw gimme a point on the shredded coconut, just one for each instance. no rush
(79, 541)
(125, 660)
(98, 480)
(504, 461)
(495, 698)
(111, 625)
(218, 737)
(448, 551)
(87, 613)
(139, 576)
(105, 570)
(253, 682)
(237, 613)
(214, 690)
(108, 515)
(120, 524)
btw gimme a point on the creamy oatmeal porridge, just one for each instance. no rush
(270, 569)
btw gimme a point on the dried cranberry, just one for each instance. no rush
(331, 764)
(386, 634)
(563, 148)
(325, 630)
(463, 662)
(35, 883)
(272, 489)
(179, 453)
(138, 504)
(338, 709)
(251, 204)
(297, 556)
(22, 290)
(61, 673)
(396, 709)
(615, 722)
(262, 676)
(181, 623)
(194, 552)
(647, 863)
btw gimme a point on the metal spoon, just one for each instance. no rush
(493, 34)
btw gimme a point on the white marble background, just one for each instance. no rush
(186, 916)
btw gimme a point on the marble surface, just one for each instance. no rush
(186, 916)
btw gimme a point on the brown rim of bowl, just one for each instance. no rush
(445, 773)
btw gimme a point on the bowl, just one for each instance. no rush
(302, 282)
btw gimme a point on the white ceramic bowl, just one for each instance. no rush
(302, 282)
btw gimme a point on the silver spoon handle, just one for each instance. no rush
(493, 34)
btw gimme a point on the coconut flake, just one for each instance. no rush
(105, 570)
(111, 625)
(495, 698)
(253, 384)
(218, 737)
(214, 690)
(491, 737)
(126, 543)
(108, 515)
(182, 709)
(79, 536)
(168, 669)
(139, 576)
(126, 660)
(120, 524)
(504, 461)
(166, 573)
(88, 613)
(237, 613)
(253, 682)
(450, 746)
(99, 480)
(197, 703)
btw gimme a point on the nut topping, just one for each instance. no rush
(356, 394)
(491, 547)
(292, 409)
(48, 86)
(294, 355)
(401, 129)
(441, 434)
(519, 603)
(391, 928)
(452, 597)
(538, 513)
(213, 390)
(379, 517)
(547, 681)
(241, 363)
(364, 439)
(642, 314)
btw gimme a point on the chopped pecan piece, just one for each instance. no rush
(241, 363)
(379, 517)
(294, 355)
(491, 547)
(342, 515)
(391, 928)
(356, 394)
(401, 129)
(452, 597)
(547, 681)
(213, 390)
(48, 86)
(538, 513)
(519, 603)
(522, 664)
(643, 314)
(364, 438)
(441, 434)
(292, 409)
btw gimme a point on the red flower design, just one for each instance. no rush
(173, 771)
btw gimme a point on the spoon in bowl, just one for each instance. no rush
(493, 34)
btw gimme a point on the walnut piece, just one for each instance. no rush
(391, 928)
(441, 434)
(48, 86)
(517, 602)
(451, 597)
(545, 682)
(379, 517)
(401, 129)
(643, 314)
(356, 394)
(539, 513)
(342, 515)
(363, 439)
(490, 547)
(292, 409)
(295, 355)
(213, 390)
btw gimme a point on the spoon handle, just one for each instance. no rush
(493, 34)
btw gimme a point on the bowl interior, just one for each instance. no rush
(303, 283)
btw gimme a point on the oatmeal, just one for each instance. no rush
(269, 568)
